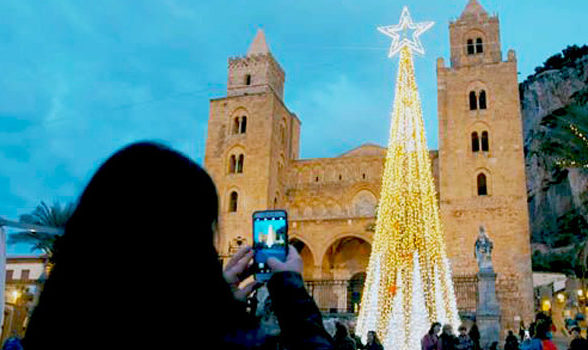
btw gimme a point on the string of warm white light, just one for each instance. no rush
(408, 282)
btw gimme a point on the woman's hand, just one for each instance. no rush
(293, 262)
(239, 269)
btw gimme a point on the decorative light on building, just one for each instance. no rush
(560, 297)
(408, 283)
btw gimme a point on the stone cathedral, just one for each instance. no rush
(252, 153)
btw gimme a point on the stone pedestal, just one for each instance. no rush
(488, 311)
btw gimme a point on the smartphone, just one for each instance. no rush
(270, 239)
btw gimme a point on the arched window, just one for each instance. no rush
(240, 163)
(232, 164)
(473, 101)
(485, 143)
(248, 79)
(275, 203)
(235, 125)
(243, 124)
(475, 142)
(233, 202)
(482, 185)
(483, 99)
(479, 46)
(471, 47)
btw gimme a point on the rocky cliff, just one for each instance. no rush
(555, 196)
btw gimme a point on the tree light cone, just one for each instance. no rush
(408, 283)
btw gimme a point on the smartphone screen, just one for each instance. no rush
(270, 239)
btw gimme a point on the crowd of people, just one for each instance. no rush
(447, 340)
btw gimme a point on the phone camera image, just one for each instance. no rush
(270, 237)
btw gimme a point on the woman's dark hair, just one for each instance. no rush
(376, 339)
(432, 329)
(140, 238)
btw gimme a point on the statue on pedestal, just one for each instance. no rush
(488, 308)
(483, 251)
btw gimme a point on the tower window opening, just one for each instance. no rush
(475, 142)
(275, 203)
(248, 79)
(235, 126)
(471, 47)
(316, 179)
(232, 164)
(240, 163)
(479, 46)
(483, 99)
(473, 101)
(363, 176)
(485, 143)
(482, 185)
(243, 128)
(233, 202)
(340, 177)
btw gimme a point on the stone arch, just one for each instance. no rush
(340, 243)
(489, 181)
(477, 87)
(474, 34)
(479, 127)
(364, 203)
(237, 115)
(229, 200)
(307, 254)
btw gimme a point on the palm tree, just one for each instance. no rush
(55, 216)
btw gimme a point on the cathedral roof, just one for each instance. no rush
(259, 45)
(473, 9)
(367, 149)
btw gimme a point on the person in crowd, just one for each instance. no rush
(464, 342)
(542, 332)
(447, 339)
(529, 344)
(12, 343)
(474, 334)
(373, 343)
(431, 340)
(511, 342)
(522, 330)
(145, 222)
(355, 337)
(578, 342)
(342, 339)
(494, 346)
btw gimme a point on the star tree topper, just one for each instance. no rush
(400, 34)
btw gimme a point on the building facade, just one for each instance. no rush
(252, 153)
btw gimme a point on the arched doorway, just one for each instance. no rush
(308, 272)
(343, 272)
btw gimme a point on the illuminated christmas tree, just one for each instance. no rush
(408, 284)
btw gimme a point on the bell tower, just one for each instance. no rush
(252, 137)
(481, 161)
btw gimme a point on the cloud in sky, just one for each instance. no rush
(79, 79)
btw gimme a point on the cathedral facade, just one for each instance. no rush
(252, 153)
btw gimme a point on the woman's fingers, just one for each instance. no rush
(242, 252)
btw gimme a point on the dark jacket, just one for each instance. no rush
(345, 343)
(447, 341)
(374, 346)
(579, 344)
(511, 343)
(464, 343)
(300, 321)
